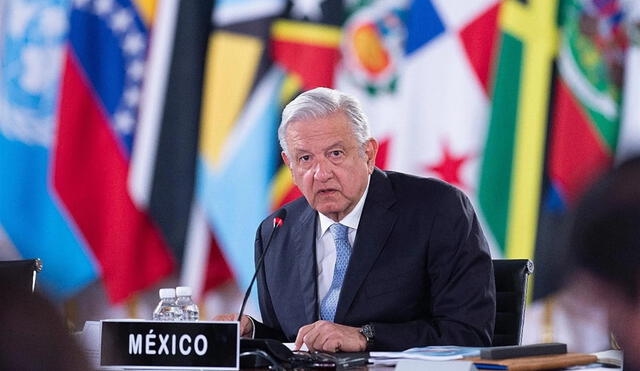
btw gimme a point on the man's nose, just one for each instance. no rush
(322, 171)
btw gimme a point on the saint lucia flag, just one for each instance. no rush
(238, 150)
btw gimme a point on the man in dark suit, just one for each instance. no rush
(367, 259)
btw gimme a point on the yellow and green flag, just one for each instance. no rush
(512, 168)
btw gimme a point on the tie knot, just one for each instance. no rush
(339, 231)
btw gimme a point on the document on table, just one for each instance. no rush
(610, 357)
(430, 353)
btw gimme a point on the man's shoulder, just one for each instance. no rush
(412, 192)
(402, 182)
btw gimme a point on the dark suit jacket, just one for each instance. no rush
(420, 270)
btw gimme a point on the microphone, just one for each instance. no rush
(278, 220)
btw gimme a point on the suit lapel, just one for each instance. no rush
(304, 247)
(375, 226)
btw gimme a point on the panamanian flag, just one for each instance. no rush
(422, 71)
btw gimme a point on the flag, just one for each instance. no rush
(586, 113)
(240, 136)
(305, 43)
(582, 141)
(429, 57)
(238, 152)
(512, 166)
(629, 137)
(170, 141)
(33, 36)
(162, 175)
(585, 121)
(104, 66)
(314, 46)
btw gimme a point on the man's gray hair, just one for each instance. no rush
(322, 102)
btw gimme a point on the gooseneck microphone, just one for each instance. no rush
(278, 220)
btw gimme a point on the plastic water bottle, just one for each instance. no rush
(167, 309)
(189, 308)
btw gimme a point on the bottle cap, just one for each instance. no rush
(167, 293)
(183, 291)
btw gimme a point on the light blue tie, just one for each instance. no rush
(343, 252)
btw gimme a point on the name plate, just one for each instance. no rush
(159, 344)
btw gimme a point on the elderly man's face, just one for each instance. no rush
(327, 163)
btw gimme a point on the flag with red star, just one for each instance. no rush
(449, 168)
(423, 81)
(421, 69)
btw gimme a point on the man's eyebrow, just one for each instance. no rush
(298, 150)
(339, 143)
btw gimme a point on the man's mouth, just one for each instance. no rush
(327, 191)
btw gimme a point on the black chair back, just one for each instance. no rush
(20, 274)
(511, 276)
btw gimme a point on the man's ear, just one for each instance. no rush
(285, 159)
(371, 150)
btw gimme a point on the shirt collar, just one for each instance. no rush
(352, 219)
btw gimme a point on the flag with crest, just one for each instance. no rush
(33, 42)
(413, 64)
(584, 122)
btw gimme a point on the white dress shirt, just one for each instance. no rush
(326, 248)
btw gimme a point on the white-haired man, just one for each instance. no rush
(367, 259)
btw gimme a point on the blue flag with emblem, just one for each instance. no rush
(33, 38)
